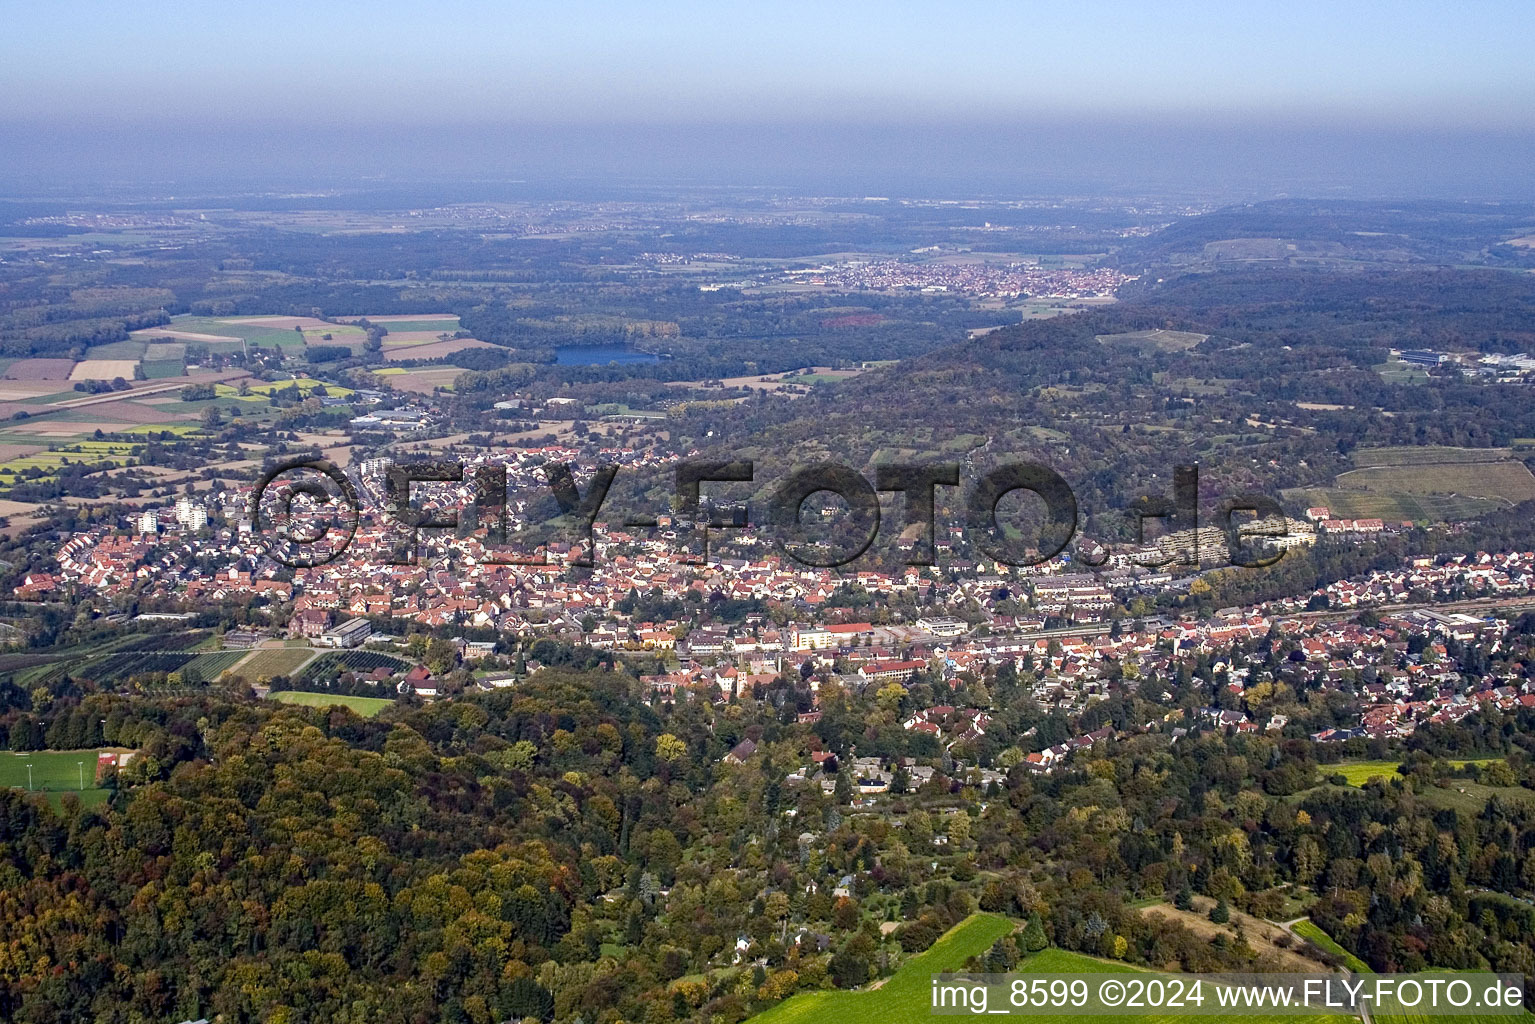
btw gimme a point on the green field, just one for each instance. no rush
(1394, 371)
(367, 707)
(255, 334)
(54, 772)
(408, 326)
(1359, 772)
(159, 369)
(1166, 341)
(93, 453)
(906, 995)
(130, 349)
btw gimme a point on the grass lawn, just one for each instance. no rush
(367, 707)
(54, 773)
(906, 996)
(1307, 929)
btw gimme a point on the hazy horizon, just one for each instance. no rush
(1405, 100)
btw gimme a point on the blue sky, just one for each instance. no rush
(280, 62)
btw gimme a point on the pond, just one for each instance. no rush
(601, 355)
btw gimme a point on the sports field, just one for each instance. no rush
(54, 772)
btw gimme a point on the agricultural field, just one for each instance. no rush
(205, 668)
(1359, 772)
(428, 347)
(367, 707)
(133, 663)
(422, 380)
(1508, 481)
(1409, 455)
(104, 369)
(103, 454)
(1392, 506)
(353, 661)
(1469, 797)
(163, 369)
(414, 322)
(39, 369)
(218, 333)
(280, 662)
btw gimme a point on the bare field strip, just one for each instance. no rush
(424, 381)
(104, 369)
(405, 339)
(397, 318)
(280, 322)
(39, 369)
(153, 334)
(20, 391)
(435, 350)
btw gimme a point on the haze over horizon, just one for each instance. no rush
(1410, 99)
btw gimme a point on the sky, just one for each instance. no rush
(784, 88)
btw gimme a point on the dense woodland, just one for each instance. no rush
(570, 851)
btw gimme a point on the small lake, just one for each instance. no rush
(600, 355)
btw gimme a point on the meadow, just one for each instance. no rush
(1359, 772)
(1309, 931)
(907, 995)
(1509, 481)
(367, 707)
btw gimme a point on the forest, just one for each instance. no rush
(574, 850)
